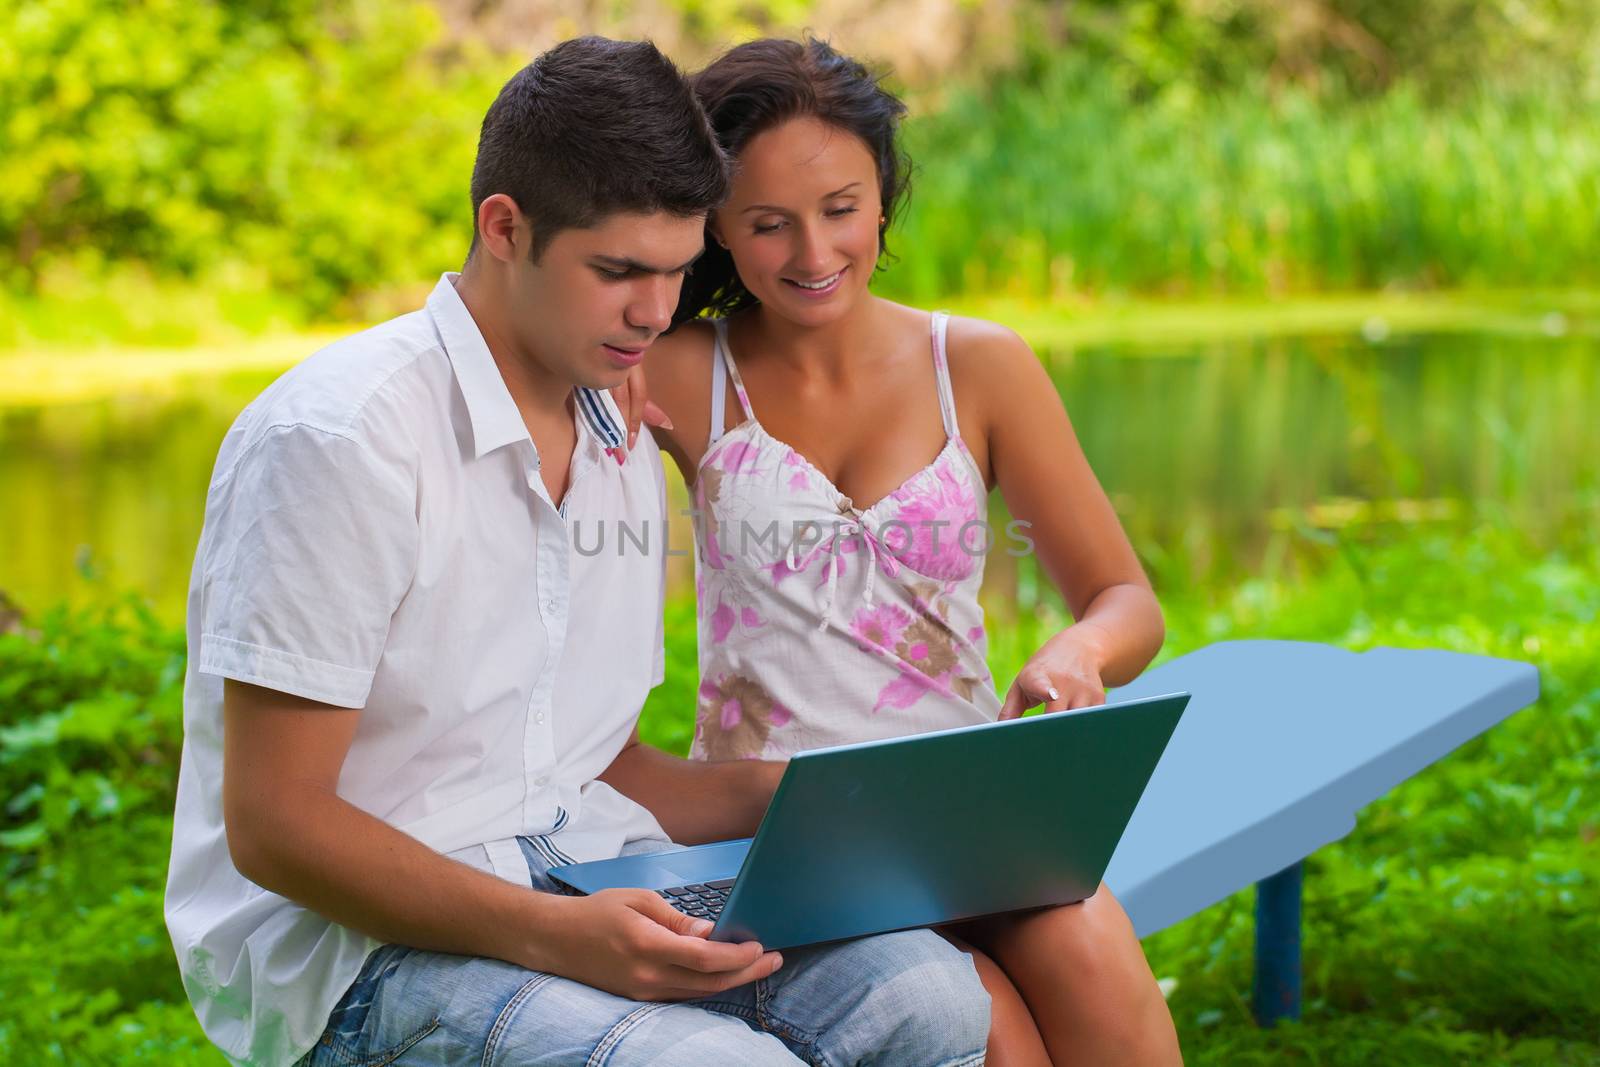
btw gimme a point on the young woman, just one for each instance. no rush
(840, 449)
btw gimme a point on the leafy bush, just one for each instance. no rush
(309, 147)
(91, 718)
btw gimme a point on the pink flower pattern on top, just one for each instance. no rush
(880, 627)
(799, 477)
(932, 531)
(823, 623)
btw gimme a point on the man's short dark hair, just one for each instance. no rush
(594, 127)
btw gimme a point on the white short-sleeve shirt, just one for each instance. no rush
(377, 536)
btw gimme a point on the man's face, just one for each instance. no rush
(598, 297)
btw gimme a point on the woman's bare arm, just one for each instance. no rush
(1033, 455)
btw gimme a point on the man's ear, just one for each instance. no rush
(501, 229)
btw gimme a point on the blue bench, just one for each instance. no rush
(1281, 745)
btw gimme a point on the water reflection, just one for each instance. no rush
(1221, 459)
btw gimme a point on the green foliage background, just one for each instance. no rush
(299, 160)
(170, 170)
(298, 147)
(1456, 924)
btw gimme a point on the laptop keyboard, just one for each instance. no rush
(703, 900)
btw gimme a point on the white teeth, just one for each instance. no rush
(819, 285)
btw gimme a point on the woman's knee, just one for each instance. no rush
(1089, 959)
(1014, 1037)
(1094, 937)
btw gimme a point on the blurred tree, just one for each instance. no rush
(320, 148)
(1445, 48)
(322, 145)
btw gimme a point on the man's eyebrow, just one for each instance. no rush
(624, 263)
(826, 196)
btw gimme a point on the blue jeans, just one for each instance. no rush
(903, 998)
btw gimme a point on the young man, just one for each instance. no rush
(405, 684)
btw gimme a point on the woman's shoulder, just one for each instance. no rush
(986, 356)
(686, 341)
(677, 361)
(981, 342)
(678, 377)
(992, 371)
(967, 340)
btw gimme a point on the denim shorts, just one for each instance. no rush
(904, 998)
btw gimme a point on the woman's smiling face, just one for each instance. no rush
(802, 220)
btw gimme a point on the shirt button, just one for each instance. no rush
(539, 718)
(541, 781)
(550, 605)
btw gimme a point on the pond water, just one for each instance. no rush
(1222, 458)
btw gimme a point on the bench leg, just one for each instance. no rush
(1277, 980)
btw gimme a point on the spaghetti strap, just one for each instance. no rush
(719, 389)
(941, 367)
(725, 360)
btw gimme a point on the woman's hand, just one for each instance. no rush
(1062, 675)
(633, 400)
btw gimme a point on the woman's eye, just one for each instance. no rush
(770, 227)
(840, 211)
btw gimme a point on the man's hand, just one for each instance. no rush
(633, 400)
(633, 943)
(291, 833)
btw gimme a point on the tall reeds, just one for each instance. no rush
(1062, 186)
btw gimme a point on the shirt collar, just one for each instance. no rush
(493, 415)
(598, 414)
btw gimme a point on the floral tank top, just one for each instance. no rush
(822, 623)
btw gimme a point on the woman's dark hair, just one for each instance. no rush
(594, 127)
(756, 86)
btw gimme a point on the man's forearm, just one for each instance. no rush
(357, 870)
(696, 801)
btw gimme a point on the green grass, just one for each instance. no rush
(1179, 324)
(129, 306)
(62, 375)
(1455, 924)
